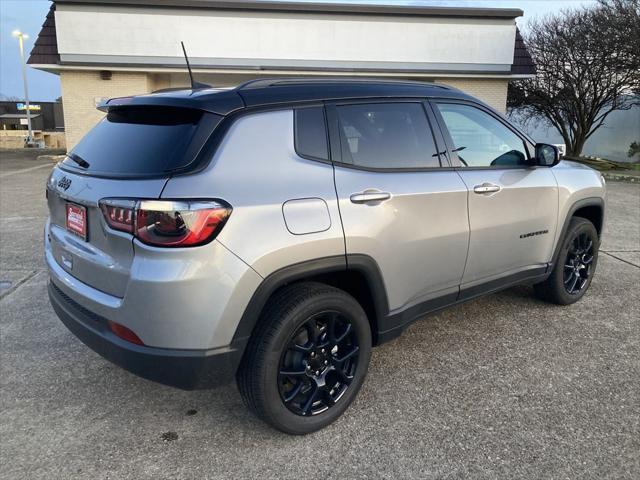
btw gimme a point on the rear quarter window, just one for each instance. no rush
(310, 133)
(144, 141)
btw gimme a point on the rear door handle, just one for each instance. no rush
(486, 187)
(370, 196)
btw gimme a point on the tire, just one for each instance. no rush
(283, 345)
(574, 267)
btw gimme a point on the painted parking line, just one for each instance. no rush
(25, 170)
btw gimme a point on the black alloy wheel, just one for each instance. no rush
(307, 358)
(577, 266)
(318, 364)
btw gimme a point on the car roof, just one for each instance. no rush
(285, 91)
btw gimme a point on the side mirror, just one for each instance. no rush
(547, 155)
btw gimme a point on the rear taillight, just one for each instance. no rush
(167, 223)
(119, 214)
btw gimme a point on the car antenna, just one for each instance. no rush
(194, 84)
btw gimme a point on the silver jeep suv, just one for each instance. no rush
(277, 231)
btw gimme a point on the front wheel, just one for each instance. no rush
(308, 358)
(575, 265)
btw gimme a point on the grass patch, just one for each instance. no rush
(604, 165)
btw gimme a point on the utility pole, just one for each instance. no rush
(21, 38)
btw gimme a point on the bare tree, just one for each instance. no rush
(588, 65)
(9, 98)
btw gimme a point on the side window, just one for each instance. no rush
(479, 139)
(387, 135)
(311, 133)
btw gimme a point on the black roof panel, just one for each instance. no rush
(264, 92)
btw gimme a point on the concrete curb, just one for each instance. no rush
(621, 177)
(50, 158)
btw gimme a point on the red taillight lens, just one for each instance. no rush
(167, 223)
(119, 214)
(125, 333)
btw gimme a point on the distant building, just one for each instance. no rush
(110, 48)
(45, 116)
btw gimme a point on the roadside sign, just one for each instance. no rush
(32, 107)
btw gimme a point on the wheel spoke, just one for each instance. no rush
(315, 332)
(344, 377)
(300, 348)
(575, 281)
(331, 328)
(306, 409)
(344, 334)
(293, 373)
(583, 283)
(348, 355)
(327, 398)
(575, 246)
(295, 391)
(588, 247)
(588, 260)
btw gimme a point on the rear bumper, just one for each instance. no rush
(185, 369)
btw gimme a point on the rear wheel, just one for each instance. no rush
(307, 360)
(575, 265)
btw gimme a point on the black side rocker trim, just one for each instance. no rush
(396, 323)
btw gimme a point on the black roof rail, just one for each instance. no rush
(273, 82)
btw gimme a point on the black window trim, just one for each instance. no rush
(335, 145)
(453, 156)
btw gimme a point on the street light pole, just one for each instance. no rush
(21, 38)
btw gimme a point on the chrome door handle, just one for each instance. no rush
(370, 196)
(486, 188)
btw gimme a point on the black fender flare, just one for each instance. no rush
(585, 202)
(307, 269)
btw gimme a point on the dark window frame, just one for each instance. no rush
(335, 143)
(453, 156)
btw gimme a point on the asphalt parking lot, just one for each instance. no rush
(501, 387)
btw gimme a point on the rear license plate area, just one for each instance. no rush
(77, 220)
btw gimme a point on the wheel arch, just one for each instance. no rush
(358, 275)
(592, 209)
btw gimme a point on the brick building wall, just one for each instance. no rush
(491, 91)
(82, 90)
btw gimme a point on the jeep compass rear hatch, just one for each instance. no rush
(125, 159)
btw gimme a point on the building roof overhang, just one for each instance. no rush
(45, 54)
(317, 7)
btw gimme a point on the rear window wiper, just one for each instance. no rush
(79, 160)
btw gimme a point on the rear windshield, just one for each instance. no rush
(143, 141)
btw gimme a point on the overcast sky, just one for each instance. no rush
(28, 16)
